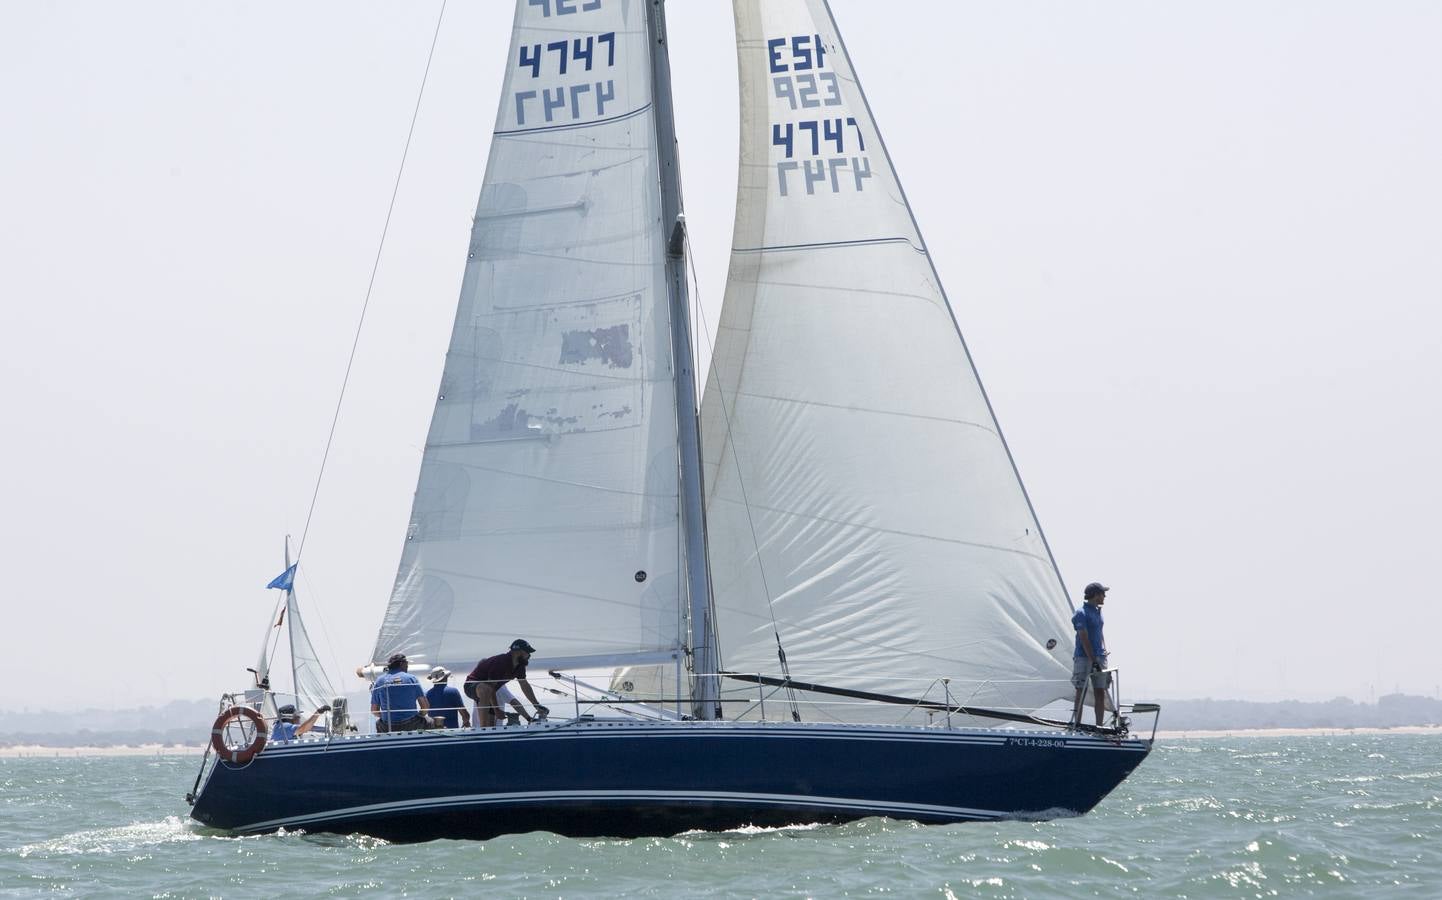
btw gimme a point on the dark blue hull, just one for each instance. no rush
(627, 779)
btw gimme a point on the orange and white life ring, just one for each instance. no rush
(238, 755)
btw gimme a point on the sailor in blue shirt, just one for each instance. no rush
(397, 700)
(286, 728)
(1089, 660)
(446, 702)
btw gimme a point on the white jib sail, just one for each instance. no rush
(312, 685)
(549, 481)
(855, 473)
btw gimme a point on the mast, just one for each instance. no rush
(705, 660)
(290, 624)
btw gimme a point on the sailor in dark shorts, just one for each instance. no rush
(494, 671)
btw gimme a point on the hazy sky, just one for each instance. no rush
(1196, 250)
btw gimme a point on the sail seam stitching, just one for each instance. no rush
(570, 126)
(897, 531)
(866, 409)
(622, 492)
(534, 587)
(861, 242)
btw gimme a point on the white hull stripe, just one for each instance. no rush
(413, 740)
(840, 804)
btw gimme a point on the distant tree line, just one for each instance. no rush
(134, 737)
(1390, 711)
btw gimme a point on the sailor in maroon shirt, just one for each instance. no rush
(494, 671)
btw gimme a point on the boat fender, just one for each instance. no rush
(237, 755)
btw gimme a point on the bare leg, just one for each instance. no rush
(1076, 711)
(485, 705)
(1101, 706)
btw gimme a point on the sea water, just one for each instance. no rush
(1316, 815)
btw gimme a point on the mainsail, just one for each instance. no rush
(861, 502)
(547, 500)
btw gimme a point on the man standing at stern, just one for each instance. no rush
(1089, 660)
(492, 673)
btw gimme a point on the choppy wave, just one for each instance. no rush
(1203, 817)
(121, 839)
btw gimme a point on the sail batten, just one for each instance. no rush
(861, 499)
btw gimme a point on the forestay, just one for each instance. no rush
(549, 481)
(855, 473)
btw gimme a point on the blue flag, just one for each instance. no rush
(284, 580)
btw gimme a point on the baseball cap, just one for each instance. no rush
(1096, 587)
(522, 644)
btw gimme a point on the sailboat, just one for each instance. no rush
(819, 594)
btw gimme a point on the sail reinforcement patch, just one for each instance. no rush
(611, 346)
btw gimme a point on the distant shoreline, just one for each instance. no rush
(22, 751)
(1294, 732)
(25, 751)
